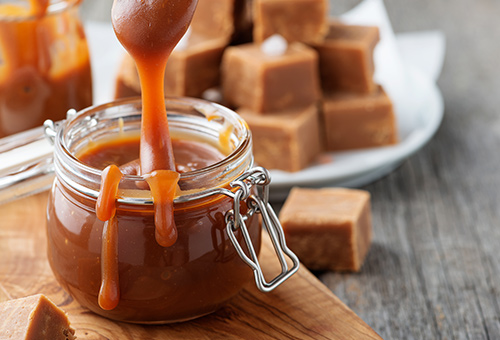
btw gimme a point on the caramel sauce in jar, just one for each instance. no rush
(196, 275)
(44, 63)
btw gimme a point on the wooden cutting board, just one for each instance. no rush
(302, 308)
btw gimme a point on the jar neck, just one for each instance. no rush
(188, 118)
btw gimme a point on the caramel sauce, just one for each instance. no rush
(123, 151)
(109, 294)
(105, 205)
(224, 134)
(149, 31)
(134, 276)
(44, 65)
(39, 7)
(118, 156)
(162, 184)
(193, 277)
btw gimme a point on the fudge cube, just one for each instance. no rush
(287, 141)
(127, 82)
(264, 83)
(190, 70)
(295, 20)
(355, 121)
(329, 228)
(346, 58)
(34, 317)
(215, 19)
(196, 68)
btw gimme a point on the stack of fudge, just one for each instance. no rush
(313, 94)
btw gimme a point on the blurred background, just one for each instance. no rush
(472, 51)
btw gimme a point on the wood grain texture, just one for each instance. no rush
(302, 308)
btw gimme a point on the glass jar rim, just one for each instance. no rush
(204, 108)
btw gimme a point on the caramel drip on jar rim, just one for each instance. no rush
(109, 294)
(163, 185)
(106, 202)
(224, 134)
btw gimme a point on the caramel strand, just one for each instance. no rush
(149, 31)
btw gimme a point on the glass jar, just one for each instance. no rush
(44, 63)
(219, 231)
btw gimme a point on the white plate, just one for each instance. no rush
(418, 120)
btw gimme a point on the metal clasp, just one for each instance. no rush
(258, 205)
(50, 127)
(50, 130)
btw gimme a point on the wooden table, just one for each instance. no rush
(434, 269)
(301, 308)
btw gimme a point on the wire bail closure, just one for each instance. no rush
(258, 205)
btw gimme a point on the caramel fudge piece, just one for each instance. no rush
(287, 141)
(215, 19)
(189, 72)
(263, 83)
(127, 80)
(328, 229)
(35, 318)
(354, 121)
(346, 58)
(295, 20)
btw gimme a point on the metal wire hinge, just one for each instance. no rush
(258, 204)
(50, 127)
